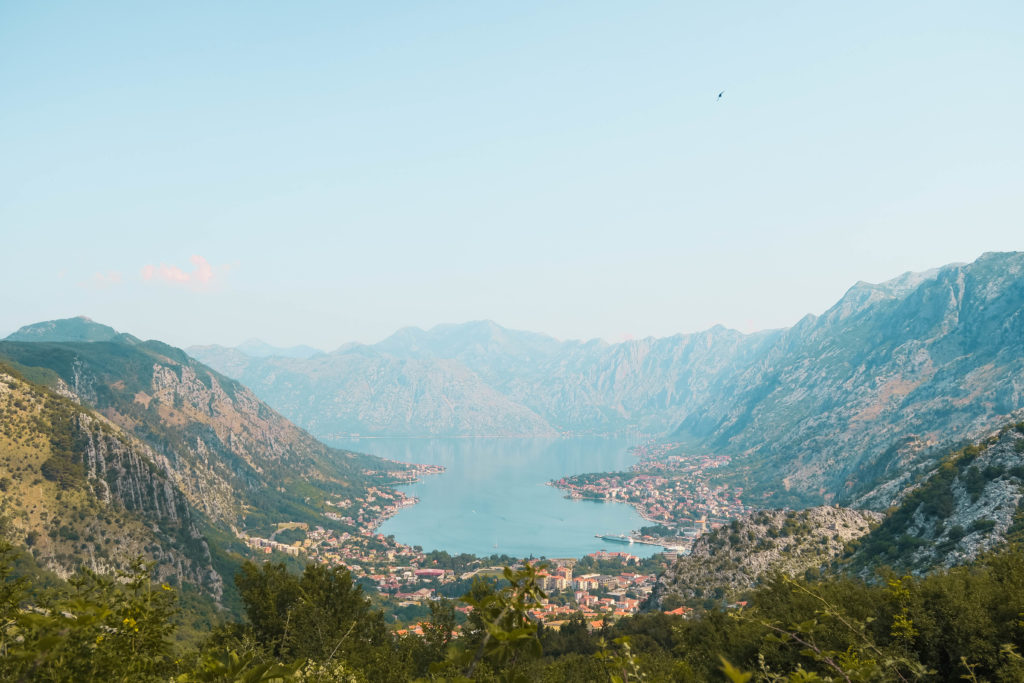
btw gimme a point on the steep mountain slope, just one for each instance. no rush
(231, 456)
(838, 403)
(77, 489)
(648, 385)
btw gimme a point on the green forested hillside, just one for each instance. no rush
(80, 329)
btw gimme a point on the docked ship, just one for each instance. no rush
(615, 538)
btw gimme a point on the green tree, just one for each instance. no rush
(98, 628)
(321, 616)
(268, 592)
(332, 618)
(501, 633)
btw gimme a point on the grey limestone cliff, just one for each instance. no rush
(735, 557)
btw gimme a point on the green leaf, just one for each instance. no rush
(734, 674)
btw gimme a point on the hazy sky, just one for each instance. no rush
(325, 172)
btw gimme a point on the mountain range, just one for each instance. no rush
(480, 379)
(824, 410)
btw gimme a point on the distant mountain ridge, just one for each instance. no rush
(480, 379)
(258, 348)
(827, 408)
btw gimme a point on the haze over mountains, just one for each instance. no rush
(830, 404)
(480, 379)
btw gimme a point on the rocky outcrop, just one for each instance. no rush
(968, 505)
(735, 557)
(128, 474)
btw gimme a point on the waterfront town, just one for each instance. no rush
(413, 578)
(601, 587)
(361, 514)
(670, 491)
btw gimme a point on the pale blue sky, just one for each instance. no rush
(325, 172)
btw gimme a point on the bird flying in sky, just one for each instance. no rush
(720, 95)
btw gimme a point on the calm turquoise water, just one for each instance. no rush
(492, 497)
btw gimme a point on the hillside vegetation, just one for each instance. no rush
(318, 626)
(972, 502)
(229, 454)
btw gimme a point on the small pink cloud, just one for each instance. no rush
(203, 272)
(201, 275)
(173, 274)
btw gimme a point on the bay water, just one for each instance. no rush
(492, 497)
